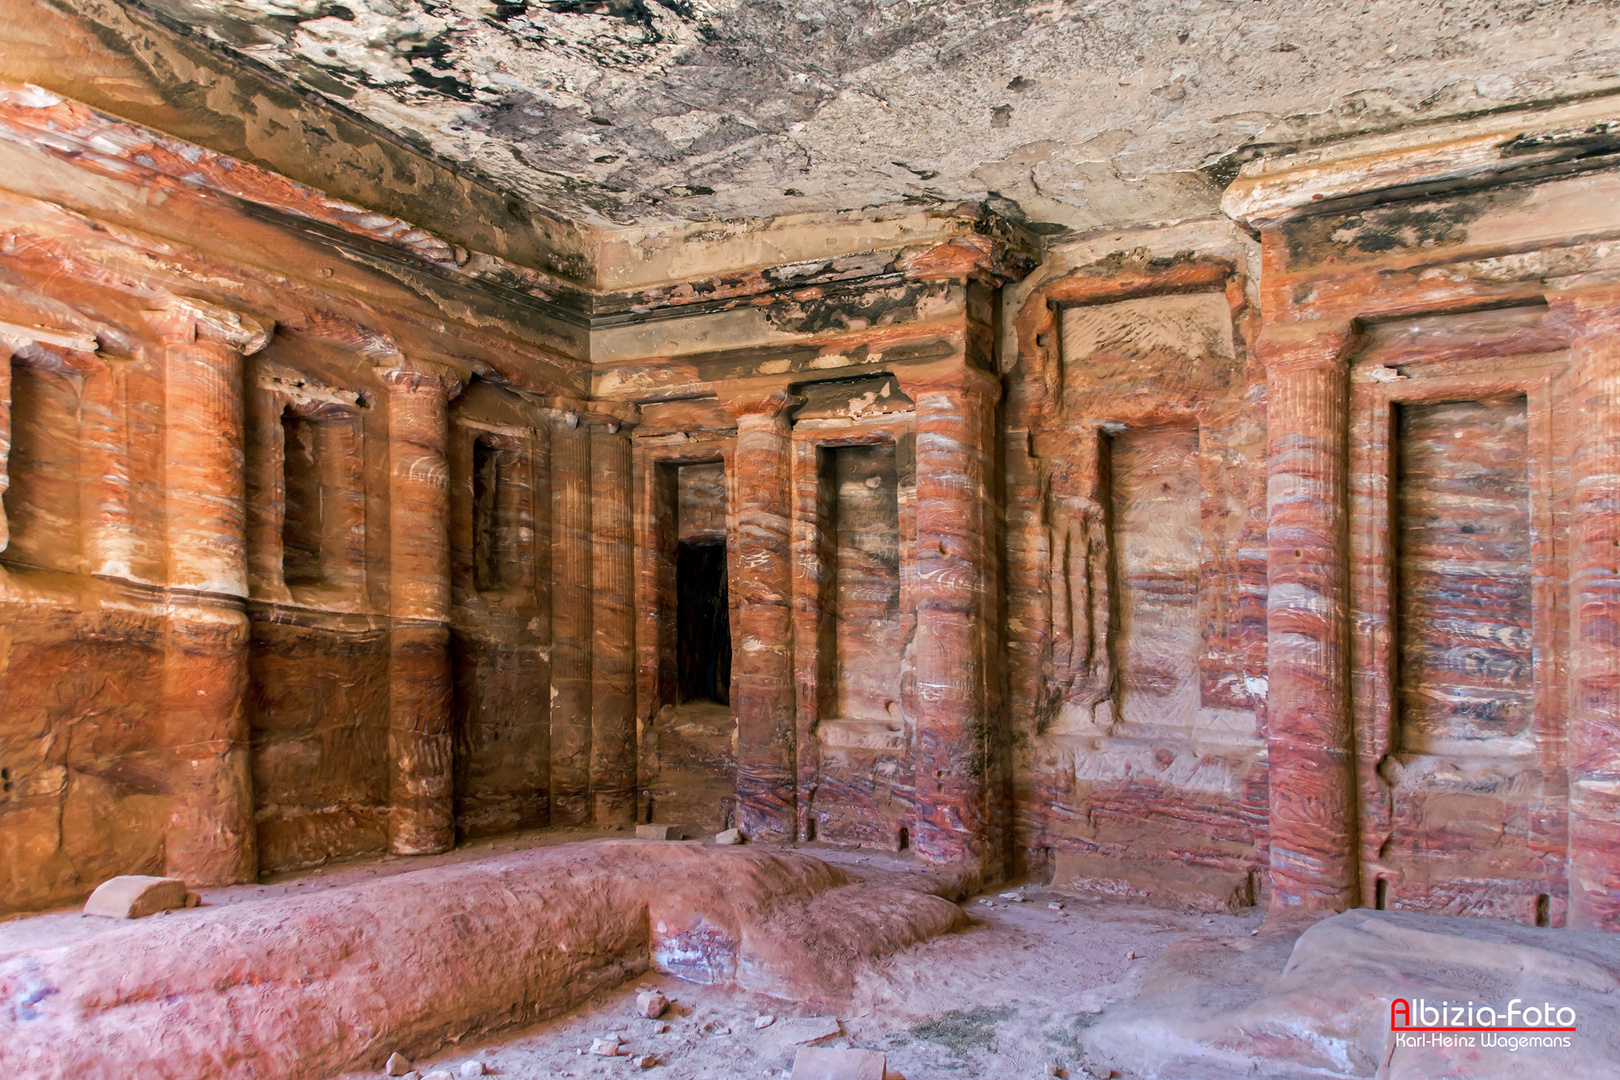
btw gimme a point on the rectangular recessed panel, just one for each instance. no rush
(867, 579)
(1462, 609)
(42, 502)
(1156, 542)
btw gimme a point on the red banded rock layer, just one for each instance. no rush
(306, 988)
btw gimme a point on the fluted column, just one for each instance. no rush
(1310, 746)
(955, 596)
(613, 630)
(210, 837)
(1593, 732)
(7, 350)
(571, 604)
(762, 669)
(421, 817)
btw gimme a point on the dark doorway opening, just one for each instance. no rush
(702, 623)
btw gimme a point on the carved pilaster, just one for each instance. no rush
(1593, 731)
(1314, 865)
(210, 838)
(421, 811)
(613, 633)
(956, 618)
(763, 696)
(571, 619)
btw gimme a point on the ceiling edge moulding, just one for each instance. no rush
(137, 65)
(1427, 160)
(970, 243)
(315, 160)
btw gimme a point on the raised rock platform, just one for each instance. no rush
(1290, 1005)
(300, 989)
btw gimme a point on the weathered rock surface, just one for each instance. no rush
(302, 989)
(1319, 1005)
(742, 108)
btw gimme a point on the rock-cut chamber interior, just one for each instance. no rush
(830, 540)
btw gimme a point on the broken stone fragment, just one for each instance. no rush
(651, 1004)
(438, 1074)
(606, 1047)
(659, 832)
(763, 1022)
(398, 1065)
(646, 1061)
(133, 896)
(818, 1063)
(471, 1068)
(800, 1030)
(729, 836)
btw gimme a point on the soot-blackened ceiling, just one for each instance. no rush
(1077, 115)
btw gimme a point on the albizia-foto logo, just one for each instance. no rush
(1463, 1024)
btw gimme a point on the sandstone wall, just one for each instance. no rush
(1135, 455)
(1266, 557)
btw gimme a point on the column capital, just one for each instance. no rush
(1285, 347)
(611, 416)
(1585, 306)
(992, 260)
(962, 378)
(773, 401)
(181, 319)
(413, 376)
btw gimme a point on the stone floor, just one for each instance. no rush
(1005, 999)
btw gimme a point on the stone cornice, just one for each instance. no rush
(769, 261)
(1424, 160)
(414, 375)
(17, 338)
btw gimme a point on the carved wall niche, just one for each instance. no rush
(317, 660)
(855, 566)
(685, 519)
(1460, 488)
(499, 458)
(45, 494)
(1135, 512)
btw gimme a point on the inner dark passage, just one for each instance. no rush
(702, 622)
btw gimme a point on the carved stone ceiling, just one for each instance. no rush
(1081, 114)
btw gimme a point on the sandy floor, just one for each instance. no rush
(1005, 999)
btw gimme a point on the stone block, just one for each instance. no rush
(820, 1063)
(659, 832)
(729, 836)
(651, 1004)
(133, 896)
